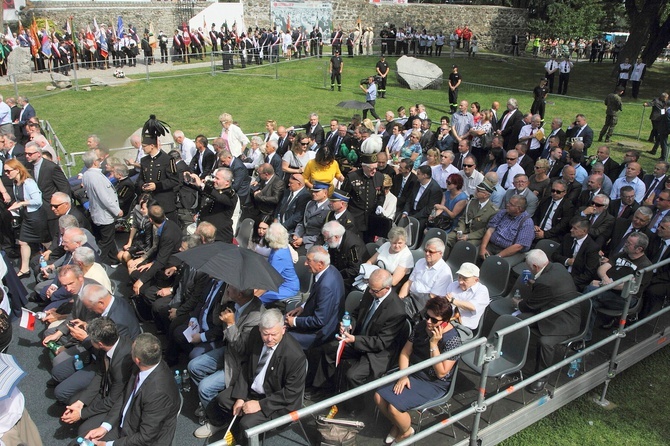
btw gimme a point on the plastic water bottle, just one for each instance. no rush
(177, 379)
(574, 367)
(43, 264)
(346, 322)
(78, 363)
(84, 442)
(186, 381)
(517, 294)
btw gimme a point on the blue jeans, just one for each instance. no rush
(207, 373)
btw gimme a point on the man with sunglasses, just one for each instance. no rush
(471, 176)
(430, 277)
(599, 218)
(506, 172)
(552, 218)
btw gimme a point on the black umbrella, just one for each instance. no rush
(242, 268)
(356, 105)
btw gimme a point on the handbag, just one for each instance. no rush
(442, 221)
(338, 432)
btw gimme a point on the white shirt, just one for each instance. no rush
(257, 385)
(553, 206)
(392, 261)
(478, 295)
(188, 150)
(440, 174)
(636, 183)
(11, 410)
(528, 130)
(434, 280)
(514, 170)
(470, 183)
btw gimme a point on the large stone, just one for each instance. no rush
(61, 81)
(98, 82)
(19, 65)
(418, 74)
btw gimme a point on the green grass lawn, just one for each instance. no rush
(641, 396)
(192, 100)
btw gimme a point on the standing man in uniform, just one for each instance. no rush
(564, 75)
(455, 80)
(158, 172)
(364, 186)
(613, 103)
(335, 70)
(637, 75)
(550, 69)
(540, 95)
(383, 71)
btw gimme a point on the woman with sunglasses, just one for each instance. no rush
(28, 206)
(412, 148)
(430, 338)
(295, 160)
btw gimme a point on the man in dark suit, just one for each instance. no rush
(600, 220)
(158, 177)
(335, 143)
(510, 124)
(112, 373)
(552, 287)
(624, 206)
(313, 127)
(659, 250)
(148, 271)
(204, 159)
(283, 143)
(425, 195)
(27, 112)
(147, 412)
(556, 131)
(315, 322)
(552, 218)
(427, 140)
(291, 210)
(403, 183)
(655, 182)
(241, 179)
(594, 185)
(308, 231)
(639, 222)
(219, 202)
(50, 178)
(525, 161)
(14, 150)
(346, 250)
(270, 380)
(372, 342)
(556, 162)
(269, 193)
(611, 166)
(580, 131)
(579, 253)
(273, 158)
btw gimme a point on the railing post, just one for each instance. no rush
(629, 289)
(76, 79)
(211, 59)
(639, 130)
(490, 354)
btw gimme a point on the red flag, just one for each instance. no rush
(288, 23)
(27, 319)
(340, 350)
(186, 35)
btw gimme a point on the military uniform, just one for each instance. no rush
(310, 227)
(473, 222)
(347, 257)
(125, 190)
(217, 207)
(382, 67)
(366, 194)
(335, 73)
(162, 171)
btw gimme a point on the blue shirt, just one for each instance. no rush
(371, 94)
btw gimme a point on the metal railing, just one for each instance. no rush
(488, 352)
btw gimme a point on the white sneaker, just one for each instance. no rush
(207, 430)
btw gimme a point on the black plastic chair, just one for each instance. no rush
(434, 233)
(494, 274)
(512, 357)
(353, 300)
(463, 251)
(549, 247)
(442, 403)
(244, 232)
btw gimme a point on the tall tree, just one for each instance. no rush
(644, 17)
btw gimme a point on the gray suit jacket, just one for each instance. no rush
(236, 336)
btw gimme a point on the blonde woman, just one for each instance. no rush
(232, 135)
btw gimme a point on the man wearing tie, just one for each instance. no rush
(564, 75)
(579, 253)
(659, 250)
(147, 413)
(600, 220)
(662, 208)
(625, 206)
(115, 365)
(426, 194)
(655, 182)
(557, 131)
(550, 69)
(371, 342)
(623, 229)
(270, 380)
(291, 210)
(510, 169)
(552, 219)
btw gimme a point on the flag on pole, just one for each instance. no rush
(187, 35)
(10, 38)
(102, 38)
(288, 23)
(119, 26)
(340, 349)
(34, 39)
(90, 39)
(46, 45)
(27, 319)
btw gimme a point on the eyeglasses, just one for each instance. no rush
(304, 143)
(556, 191)
(510, 159)
(598, 205)
(662, 199)
(539, 167)
(434, 320)
(468, 165)
(30, 153)
(428, 251)
(372, 290)
(449, 182)
(9, 170)
(56, 206)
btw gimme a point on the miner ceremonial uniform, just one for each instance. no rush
(366, 193)
(217, 207)
(162, 171)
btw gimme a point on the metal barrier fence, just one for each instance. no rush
(487, 353)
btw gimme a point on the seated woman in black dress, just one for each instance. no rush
(430, 338)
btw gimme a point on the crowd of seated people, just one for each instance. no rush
(322, 211)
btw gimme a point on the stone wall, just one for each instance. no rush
(493, 25)
(139, 14)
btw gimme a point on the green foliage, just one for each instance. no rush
(574, 18)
